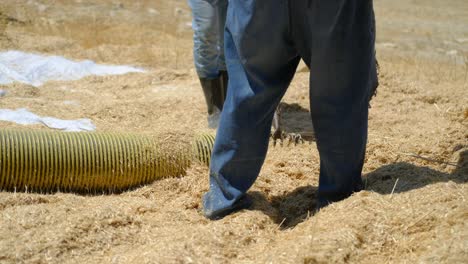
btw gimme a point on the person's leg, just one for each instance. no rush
(337, 42)
(261, 63)
(206, 36)
(221, 12)
(374, 73)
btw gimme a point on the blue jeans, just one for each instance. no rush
(208, 22)
(264, 41)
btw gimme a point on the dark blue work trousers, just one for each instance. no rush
(264, 42)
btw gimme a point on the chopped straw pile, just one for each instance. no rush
(414, 208)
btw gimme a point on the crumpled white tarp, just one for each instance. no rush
(36, 69)
(24, 117)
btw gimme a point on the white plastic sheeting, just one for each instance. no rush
(36, 69)
(24, 117)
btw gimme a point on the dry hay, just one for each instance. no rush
(414, 208)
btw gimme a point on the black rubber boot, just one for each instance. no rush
(209, 86)
(211, 89)
(223, 79)
(215, 91)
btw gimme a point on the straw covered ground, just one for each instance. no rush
(414, 208)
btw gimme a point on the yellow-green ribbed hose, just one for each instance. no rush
(91, 162)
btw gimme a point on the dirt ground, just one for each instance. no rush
(414, 208)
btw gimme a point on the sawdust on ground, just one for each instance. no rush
(414, 208)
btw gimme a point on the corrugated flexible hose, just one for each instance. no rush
(45, 161)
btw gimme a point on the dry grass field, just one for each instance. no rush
(414, 208)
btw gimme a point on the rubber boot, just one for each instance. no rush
(223, 79)
(219, 93)
(211, 89)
